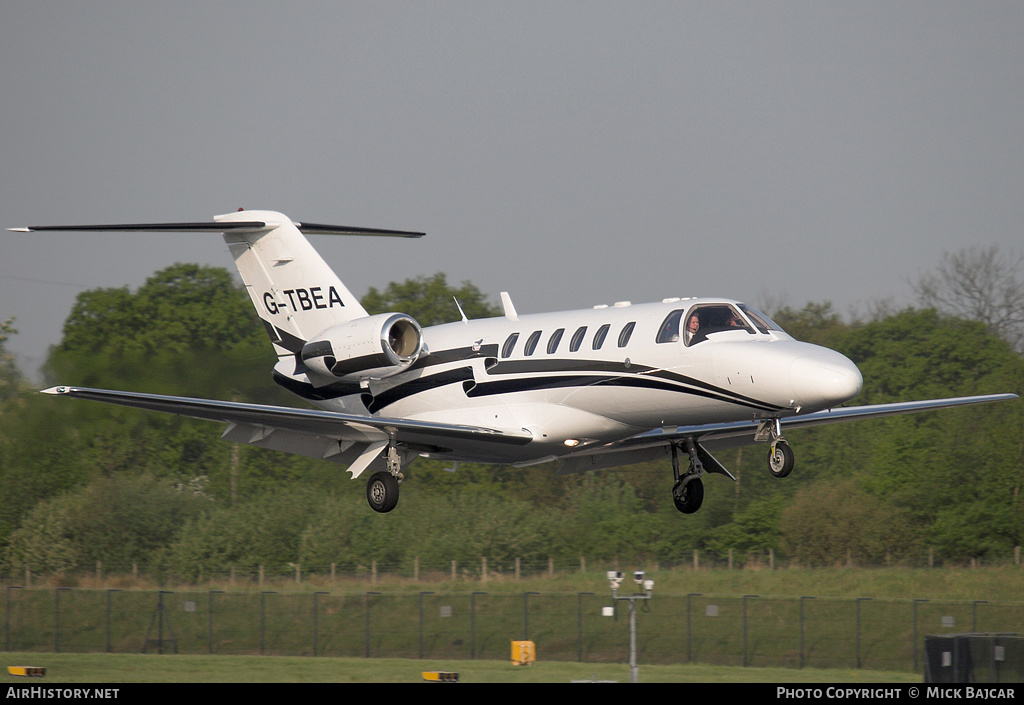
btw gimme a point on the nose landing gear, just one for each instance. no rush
(780, 456)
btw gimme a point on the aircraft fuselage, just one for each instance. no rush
(592, 376)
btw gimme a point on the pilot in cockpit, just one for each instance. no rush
(692, 326)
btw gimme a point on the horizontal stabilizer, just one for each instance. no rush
(220, 226)
(151, 227)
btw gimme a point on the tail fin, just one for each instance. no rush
(295, 293)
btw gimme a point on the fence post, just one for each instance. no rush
(421, 622)
(472, 623)
(209, 619)
(579, 625)
(56, 620)
(916, 600)
(526, 614)
(316, 620)
(689, 626)
(745, 662)
(974, 614)
(263, 620)
(802, 629)
(109, 591)
(863, 599)
(366, 602)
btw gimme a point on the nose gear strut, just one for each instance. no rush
(780, 455)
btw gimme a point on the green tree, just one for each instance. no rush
(119, 522)
(188, 329)
(811, 324)
(831, 523)
(10, 378)
(941, 467)
(430, 300)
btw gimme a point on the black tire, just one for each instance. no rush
(382, 492)
(688, 497)
(781, 459)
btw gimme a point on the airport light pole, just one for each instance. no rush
(615, 579)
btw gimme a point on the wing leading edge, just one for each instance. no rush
(347, 438)
(656, 443)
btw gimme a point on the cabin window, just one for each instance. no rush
(600, 335)
(627, 331)
(555, 339)
(531, 343)
(577, 339)
(510, 344)
(669, 331)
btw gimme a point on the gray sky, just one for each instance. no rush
(572, 153)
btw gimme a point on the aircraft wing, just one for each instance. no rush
(655, 443)
(353, 439)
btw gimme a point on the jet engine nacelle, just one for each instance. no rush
(373, 347)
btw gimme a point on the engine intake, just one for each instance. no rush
(373, 347)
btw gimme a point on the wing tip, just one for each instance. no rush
(60, 389)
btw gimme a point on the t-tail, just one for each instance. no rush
(323, 336)
(295, 293)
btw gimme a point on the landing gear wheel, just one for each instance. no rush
(780, 459)
(382, 492)
(688, 496)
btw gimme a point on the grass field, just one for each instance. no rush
(946, 583)
(128, 668)
(993, 593)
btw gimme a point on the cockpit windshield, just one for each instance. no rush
(707, 319)
(763, 323)
(704, 320)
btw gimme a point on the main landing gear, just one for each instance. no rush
(382, 487)
(688, 490)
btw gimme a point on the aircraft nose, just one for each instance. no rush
(824, 379)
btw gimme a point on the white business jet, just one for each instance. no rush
(596, 388)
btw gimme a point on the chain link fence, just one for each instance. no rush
(799, 632)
